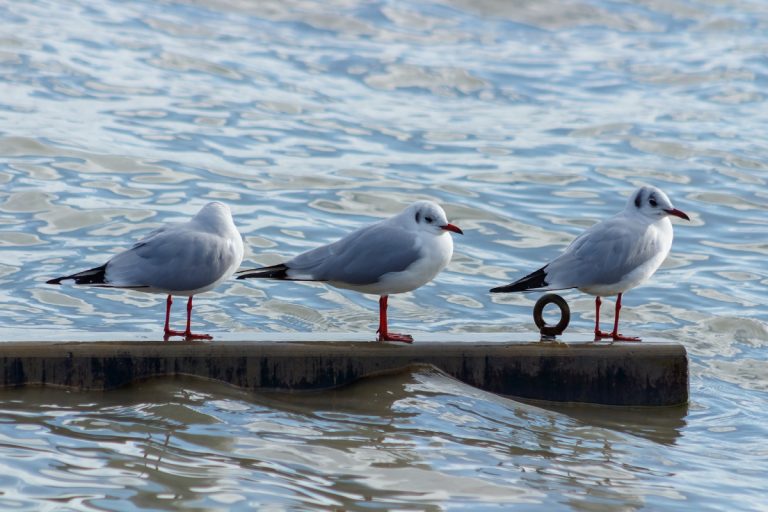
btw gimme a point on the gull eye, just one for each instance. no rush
(428, 219)
(652, 202)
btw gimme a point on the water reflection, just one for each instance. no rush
(454, 415)
(662, 425)
(405, 438)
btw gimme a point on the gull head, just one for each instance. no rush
(651, 202)
(215, 215)
(214, 209)
(428, 217)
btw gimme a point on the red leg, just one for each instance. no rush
(384, 334)
(168, 303)
(598, 333)
(615, 334)
(383, 315)
(168, 332)
(188, 333)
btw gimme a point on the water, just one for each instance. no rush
(528, 121)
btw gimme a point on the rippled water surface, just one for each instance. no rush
(528, 121)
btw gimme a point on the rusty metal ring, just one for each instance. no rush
(565, 314)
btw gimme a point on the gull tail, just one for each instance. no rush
(96, 275)
(534, 280)
(274, 272)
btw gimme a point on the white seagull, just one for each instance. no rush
(178, 259)
(612, 256)
(395, 255)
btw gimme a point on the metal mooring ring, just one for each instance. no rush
(565, 315)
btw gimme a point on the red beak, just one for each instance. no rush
(451, 227)
(678, 213)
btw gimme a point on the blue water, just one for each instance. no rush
(527, 121)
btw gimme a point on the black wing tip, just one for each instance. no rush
(94, 275)
(512, 287)
(274, 272)
(533, 280)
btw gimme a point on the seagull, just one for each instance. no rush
(395, 255)
(178, 259)
(611, 257)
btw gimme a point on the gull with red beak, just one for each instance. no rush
(395, 255)
(611, 257)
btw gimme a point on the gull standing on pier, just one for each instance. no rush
(395, 255)
(178, 259)
(612, 256)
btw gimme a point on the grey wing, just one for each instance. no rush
(602, 255)
(153, 234)
(173, 260)
(360, 258)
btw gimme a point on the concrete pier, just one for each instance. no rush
(645, 373)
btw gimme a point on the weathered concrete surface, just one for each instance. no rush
(614, 374)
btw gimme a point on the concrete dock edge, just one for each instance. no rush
(630, 374)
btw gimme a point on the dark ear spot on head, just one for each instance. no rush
(418, 217)
(638, 199)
